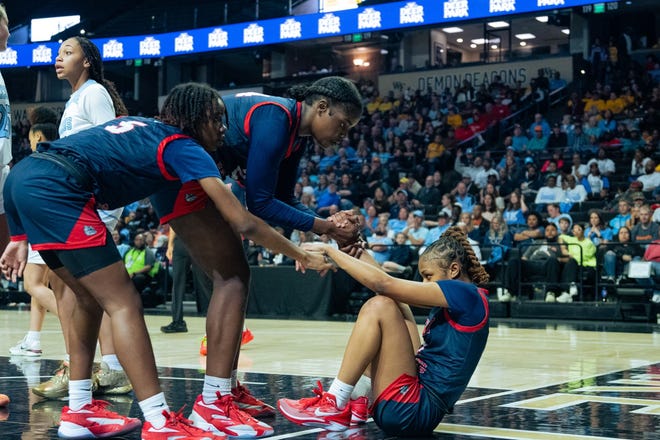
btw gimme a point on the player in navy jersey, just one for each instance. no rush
(415, 383)
(51, 199)
(267, 137)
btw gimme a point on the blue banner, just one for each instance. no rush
(388, 16)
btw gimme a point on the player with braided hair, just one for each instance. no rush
(415, 383)
(266, 139)
(154, 159)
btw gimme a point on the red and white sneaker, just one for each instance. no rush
(177, 427)
(245, 401)
(94, 421)
(320, 411)
(223, 416)
(359, 410)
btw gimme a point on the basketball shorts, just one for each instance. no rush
(405, 408)
(176, 200)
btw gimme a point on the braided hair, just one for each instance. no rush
(93, 56)
(454, 246)
(190, 106)
(337, 90)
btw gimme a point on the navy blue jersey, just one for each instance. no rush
(454, 339)
(262, 151)
(131, 158)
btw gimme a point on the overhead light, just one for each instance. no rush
(459, 40)
(82, 31)
(523, 43)
(527, 36)
(473, 46)
(566, 31)
(542, 18)
(358, 61)
(498, 24)
(452, 30)
(485, 41)
(494, 46)
(384, 52)
(366, 64)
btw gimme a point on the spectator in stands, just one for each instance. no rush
(645, 230)
(381, 201)
(515, 211)
(579, 142)
(573, 192)
(577, 251)
(652, 254)
(565, 224)
(638, 165)
(399, 222)
(597, 186)
(499, 240)
(443, 223)
(140, 261)
(398, 201)
(415, 231)
(539, 140)
(619, 254)
(481, 176)
(490, 209)
(380, 243)
(535, 258)
(598, 231)
(474, 164)
(428, 197)
(549, 193)
(539, 121)
(553, 213)
(606, 166)
(121, 247)
(328, 201)
(370, 220)
(401, 257)
(651, 177)
(622, 217)
(463, 198)
(532, 181)
(557, 82)
(558, 140)
(479, 223)
(607, 124)
(436, 154)
(519, 140)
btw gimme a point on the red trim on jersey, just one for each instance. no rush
(22, 237)
(89, 231)
(191, 198)
(293, 129)
(470, 328)
(405, 388)
(294, 132)
(161, 151)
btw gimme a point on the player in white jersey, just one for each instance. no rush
(94, 101)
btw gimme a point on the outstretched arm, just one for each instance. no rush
(374, 278)
(254, 228)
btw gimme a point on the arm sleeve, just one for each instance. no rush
(269, 142)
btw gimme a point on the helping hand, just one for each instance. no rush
(14, 259)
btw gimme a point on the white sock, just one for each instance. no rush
(214, 384)
(342, 392)
(152, 409)
(112, 361)
(32, 336)
(67, 358)
(234, 379)
(362, 388)
(80, 393)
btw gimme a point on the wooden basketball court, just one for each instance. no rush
(536, 380)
